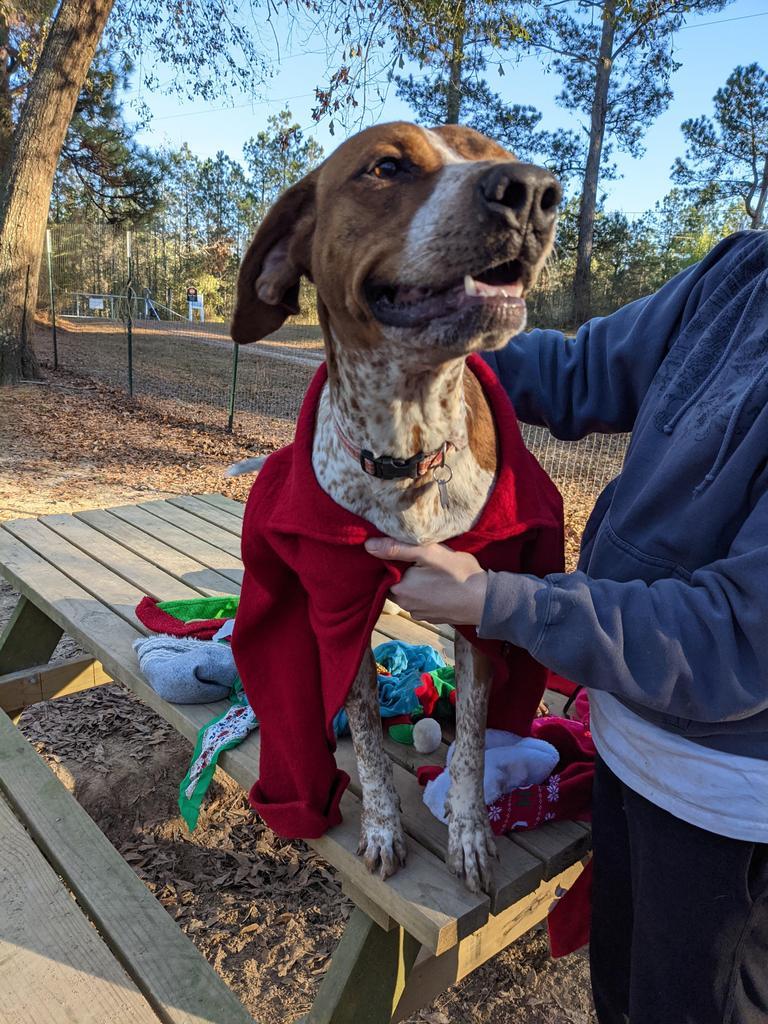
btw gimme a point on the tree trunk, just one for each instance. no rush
(453, 99)
(758, 217)
(582, 282)
(27, 181)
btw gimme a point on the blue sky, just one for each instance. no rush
(709, 48)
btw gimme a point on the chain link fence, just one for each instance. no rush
(98, 318)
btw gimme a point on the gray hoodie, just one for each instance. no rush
(668, 610)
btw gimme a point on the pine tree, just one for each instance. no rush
(275, 159)
(727, 155)
(101, 168)
(454, 49)
(615, 59)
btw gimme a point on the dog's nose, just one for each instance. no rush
(521, 192)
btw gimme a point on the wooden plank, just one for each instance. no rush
(391, 608)
(366, 904)
(367, 976)
(212, 557)
(410, 897)
(556, 843)
(133, 568)
(100, 582)
(209, 513)
(441, 628)
(54, 967)
(423, 898)
(378, 638)
(397, 627)
(237, 508)
(194, 526)
(28, 638)
(409, 757)
(177, 563)
(29, 686)
(172, 975)
(93, 625)
(515, 873)
(433, 975)
(555, 702)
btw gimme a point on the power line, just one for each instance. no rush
(722, 21)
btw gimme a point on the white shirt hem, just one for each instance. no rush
(723, 793)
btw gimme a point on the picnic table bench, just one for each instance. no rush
(411, 936)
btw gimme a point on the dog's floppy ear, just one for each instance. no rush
(268, 282)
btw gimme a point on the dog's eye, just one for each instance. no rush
(386, 168)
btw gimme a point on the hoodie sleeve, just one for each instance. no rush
(596, 382)
(696, 649)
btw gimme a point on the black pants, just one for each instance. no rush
(679, 917)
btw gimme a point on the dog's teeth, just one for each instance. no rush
(470, 285)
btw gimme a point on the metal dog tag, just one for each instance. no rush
(442, 475)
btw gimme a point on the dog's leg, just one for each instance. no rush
(382, 842)
(470, 840)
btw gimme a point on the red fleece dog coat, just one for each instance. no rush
(312, 594)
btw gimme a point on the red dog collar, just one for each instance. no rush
(387, 467)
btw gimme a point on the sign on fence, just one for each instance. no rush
(195, 303)
(94, 303)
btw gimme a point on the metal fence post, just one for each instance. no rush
(233, 387)
(129, 322)
(53, 300)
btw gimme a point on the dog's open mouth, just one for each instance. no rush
(500, 287)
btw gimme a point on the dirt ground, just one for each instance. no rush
(265, 912)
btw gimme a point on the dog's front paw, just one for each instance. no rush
(471, 849)
(382, 844)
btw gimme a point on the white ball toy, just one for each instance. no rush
(427, 736)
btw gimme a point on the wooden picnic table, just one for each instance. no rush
(411, 936)
(82, 939)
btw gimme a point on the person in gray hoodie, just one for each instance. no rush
(665, 622)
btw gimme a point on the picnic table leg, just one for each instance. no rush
(29, 639)
(367, 975)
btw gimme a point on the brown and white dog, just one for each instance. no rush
(421, 244)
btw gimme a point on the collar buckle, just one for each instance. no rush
(386, 467)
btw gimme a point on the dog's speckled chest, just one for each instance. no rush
(404, 509)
